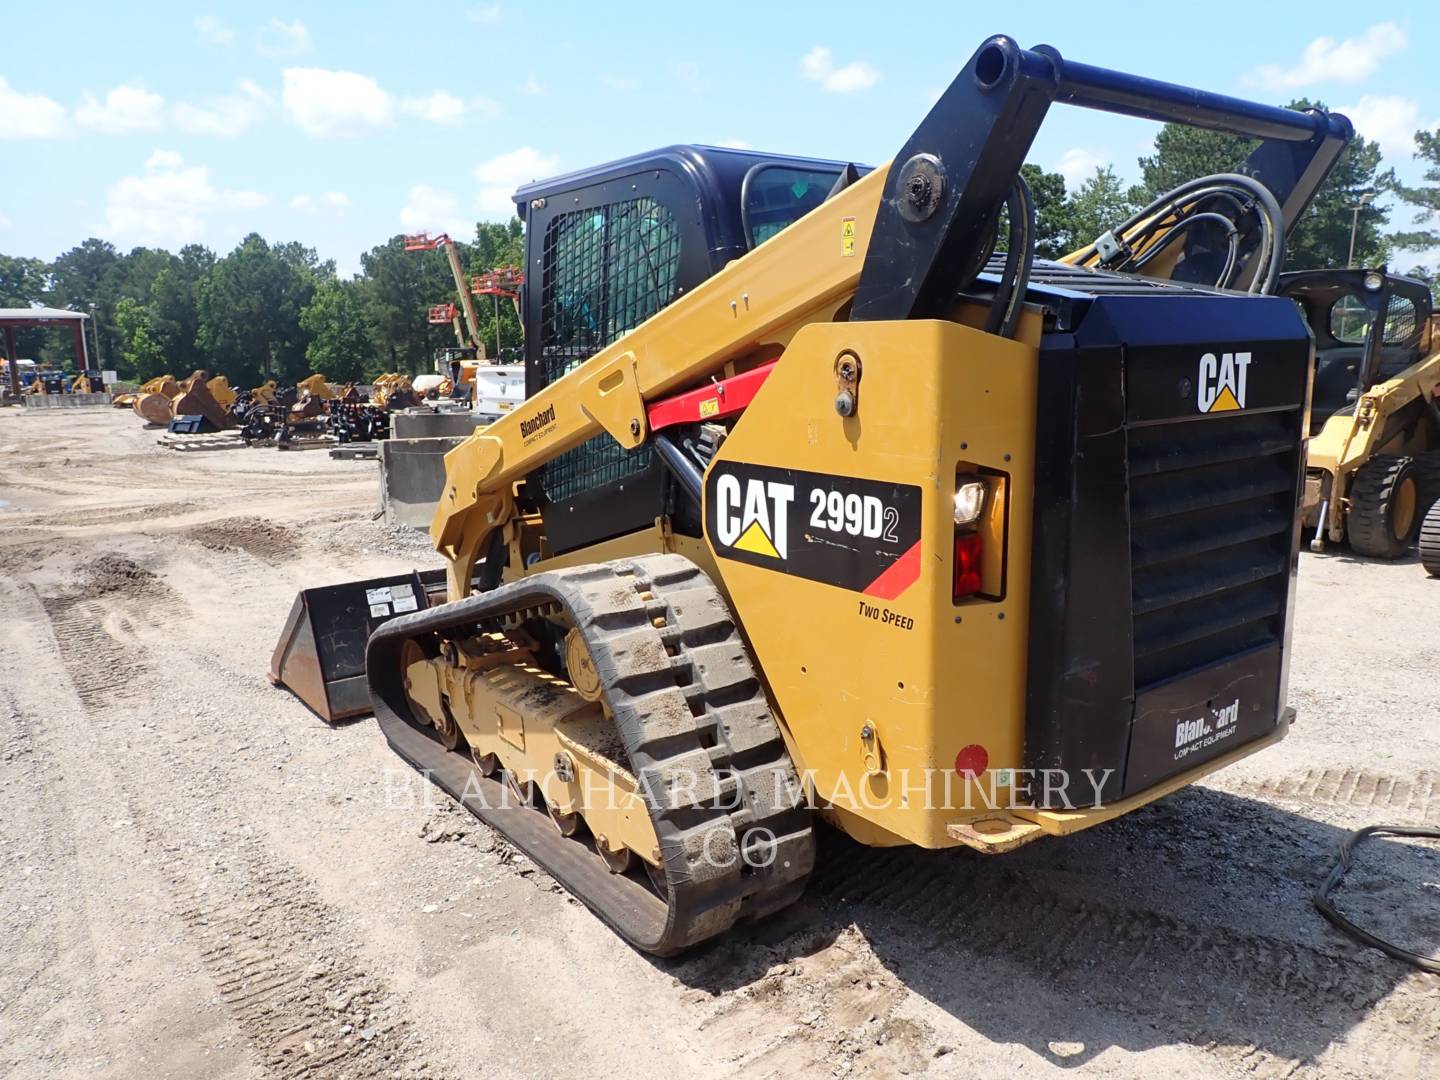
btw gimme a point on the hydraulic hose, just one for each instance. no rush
(1009, 298)
(1247, 194)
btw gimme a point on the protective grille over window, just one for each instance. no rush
(607, 270)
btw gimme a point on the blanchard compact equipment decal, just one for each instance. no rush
(862, 535)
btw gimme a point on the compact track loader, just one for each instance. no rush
(1374, 463)
(829, 500)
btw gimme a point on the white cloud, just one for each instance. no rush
(171, 203)
(818, 65)
(125, 109)
(736, 144)
(621, 83)
(486, 107)
(281, 40)
(533, 86)
(500, 176)
(443, 107)
(29, 116)
(1328, 60)
(431, 210)
(331, 201)
(1079, 165)
(5, 221)
(212, 29)
(1389, 121)
(485, 14)
(335, 103)
(687, 74)
(227, 116)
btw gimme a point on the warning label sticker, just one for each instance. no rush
(847, 237)
(377, 596)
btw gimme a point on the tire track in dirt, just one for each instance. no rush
(261, 539)
(1148, 963)
(1416, 798)
(830, 1009)
(270, 944)
(94, 627)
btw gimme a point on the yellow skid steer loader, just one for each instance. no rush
(831, 501)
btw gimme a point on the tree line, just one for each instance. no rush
(262, 311)
(279, 311)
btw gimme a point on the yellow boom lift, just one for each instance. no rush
(829, 500)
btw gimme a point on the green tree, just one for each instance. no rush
(497, 246)
(173, 307)
(1053, 233)
(24, 283)
(399, 287)
(340, 343)
(141, 356)
(249, 310)
(1425, 197)
(80, 279)
(1321, 238)
(1429, 276)
(1100, 204)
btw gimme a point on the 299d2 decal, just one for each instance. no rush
(861, 535)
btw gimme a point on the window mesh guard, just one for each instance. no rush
(607, 270)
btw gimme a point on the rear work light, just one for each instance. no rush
(967, 564)
(970, 493)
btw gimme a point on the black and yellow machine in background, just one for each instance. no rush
(829, 499)
(1374, 463)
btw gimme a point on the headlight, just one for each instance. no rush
(969, 500)
(1373, 281)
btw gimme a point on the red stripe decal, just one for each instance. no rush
(723, 398)
(898, 576)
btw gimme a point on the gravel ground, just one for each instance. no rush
(200, 878)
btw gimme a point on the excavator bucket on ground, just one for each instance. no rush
(196, 409)
(320, 657)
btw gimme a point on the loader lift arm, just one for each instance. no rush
(921, 226)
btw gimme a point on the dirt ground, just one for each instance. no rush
(201, 879)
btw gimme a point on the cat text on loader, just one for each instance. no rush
(819, 507)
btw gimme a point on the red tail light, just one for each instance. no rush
(967, 564)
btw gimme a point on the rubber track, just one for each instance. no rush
(1430, 542)
(694, 721)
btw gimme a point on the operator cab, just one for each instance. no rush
(1341, 307)
(610, 246)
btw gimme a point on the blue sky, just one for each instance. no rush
(341, 124)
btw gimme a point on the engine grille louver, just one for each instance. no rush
(1211, 509)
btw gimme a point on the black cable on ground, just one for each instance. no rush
(1347, 855)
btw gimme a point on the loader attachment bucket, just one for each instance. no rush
(320, 657)
(152, 408)
(196, 400)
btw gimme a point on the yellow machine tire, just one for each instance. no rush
(1430, 542)
(1384, 507)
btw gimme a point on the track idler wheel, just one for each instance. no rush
(568, 824)
(617, 861)
(522, 793)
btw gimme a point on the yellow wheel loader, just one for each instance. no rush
(1374, 462)
(829, 501)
